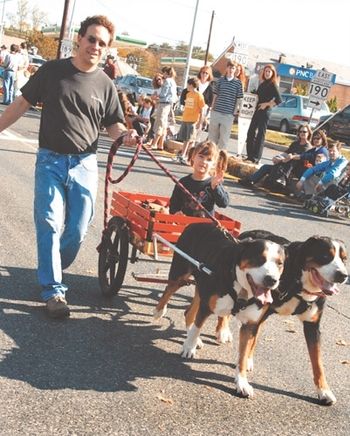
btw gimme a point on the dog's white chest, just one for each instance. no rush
(309, 314)
(224, 306)
(250, 314)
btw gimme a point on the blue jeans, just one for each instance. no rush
(9, 86)
(64, 200)
(260, 173)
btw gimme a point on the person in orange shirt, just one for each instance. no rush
(191, 118)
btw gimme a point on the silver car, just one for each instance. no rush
(293, 112)
(135, 85)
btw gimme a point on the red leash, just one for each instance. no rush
(108, 179)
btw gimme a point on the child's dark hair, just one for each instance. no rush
(210, 149)
(193, 81)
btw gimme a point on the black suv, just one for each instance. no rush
(337, 127)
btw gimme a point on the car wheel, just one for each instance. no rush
(284, 126)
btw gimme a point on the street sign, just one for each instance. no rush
(240, 53)
(246, 111)
(319, 88)
(66, 48)
(248, 105)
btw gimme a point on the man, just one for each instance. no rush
(77, 98)
(228, 93)
(10, 64)
(110, 68)
(317, 178)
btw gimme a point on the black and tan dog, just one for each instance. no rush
(253, 266)
(311, 273)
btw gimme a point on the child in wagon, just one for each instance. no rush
(205, 182)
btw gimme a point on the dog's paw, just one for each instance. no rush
(250, 364)
(224, 335)
(199, 343)
(189, 349)
(157, 314)
(326, 397)
(243, 387)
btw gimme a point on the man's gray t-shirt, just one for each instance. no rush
(74, 106)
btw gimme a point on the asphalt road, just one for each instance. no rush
(111, 370)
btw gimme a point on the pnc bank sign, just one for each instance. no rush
(300, 73)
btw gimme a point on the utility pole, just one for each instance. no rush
(209, 37)
(2, 19)
(64, 26)
(189, 54)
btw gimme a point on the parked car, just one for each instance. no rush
(135, 85)
(293, 112)
(36, 60)
(337, 127)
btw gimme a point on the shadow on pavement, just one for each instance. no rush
(104, 346)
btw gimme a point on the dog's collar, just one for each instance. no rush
(242, 304)
(303, 304)
(314, 294)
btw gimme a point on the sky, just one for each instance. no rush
(316, 29)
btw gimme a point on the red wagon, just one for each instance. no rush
(148, 231)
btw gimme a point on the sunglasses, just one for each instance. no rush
(303, 131)
(93, 40)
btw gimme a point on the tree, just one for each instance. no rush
(47, 45)
(22, 14)
(39, 18)
(333, 104)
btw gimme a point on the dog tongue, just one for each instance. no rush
(327, 287)
(263, 295)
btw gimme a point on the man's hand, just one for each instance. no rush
(130, 138)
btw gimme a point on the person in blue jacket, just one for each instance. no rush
(317, 178)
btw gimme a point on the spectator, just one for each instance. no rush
(206, 187)
(167, 96)
(157, 85)
(110, 67)
(240, 75)
(319, 144)
(228, 93)
(317, 178)
(141, 121)
(3, 53)
(11, 63)
(23, 74)
(283, 168)
(191, 118)
(66, 172)
(268, 97)
(336, 190)
(205, 87)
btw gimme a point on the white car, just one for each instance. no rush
(293, 112)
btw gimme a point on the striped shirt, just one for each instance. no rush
(227, 92)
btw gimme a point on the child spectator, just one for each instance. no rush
(311, 183)
(141, 120)
(336, 190)
(205, 159)
(191, 118)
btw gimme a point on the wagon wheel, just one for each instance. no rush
(113, 257)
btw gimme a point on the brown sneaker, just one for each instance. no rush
(57, 307)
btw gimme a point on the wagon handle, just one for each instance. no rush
(199, 265)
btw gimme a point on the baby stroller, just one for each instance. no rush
(324, 204)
